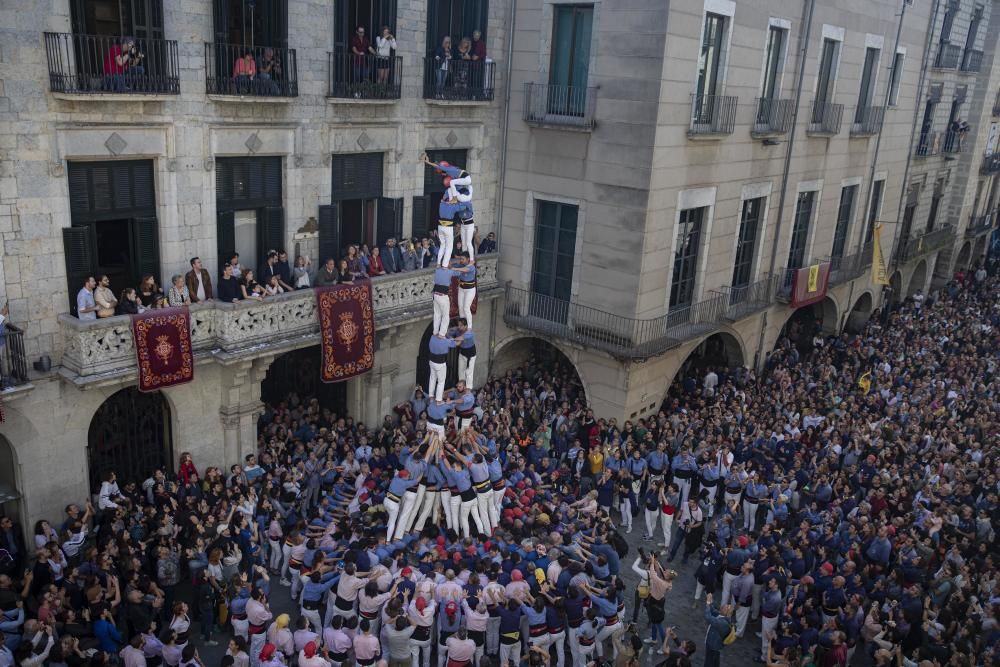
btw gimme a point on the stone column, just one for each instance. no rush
(241, 406)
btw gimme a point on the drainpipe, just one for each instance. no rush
(928, 41)
(808, 6)
(498, 213)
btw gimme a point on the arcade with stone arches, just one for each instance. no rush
(722, 352)
(520, 351)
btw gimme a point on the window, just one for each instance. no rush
(867, 91)
(933, 212)
(873, 209)
(746, 243)
(773, 62)
(800, 229)
(425, 207)
(570, 63)
(372, 14)
(555, 250)
(249, 208)
(844, 214)
(685, 271)
(894, 78)
(255, 23)
(141, 19)
(948, 21)
(970, 37)
(827, 77)
(710, 59)
(455, 19)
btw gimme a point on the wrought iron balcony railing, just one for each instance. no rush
(99, 65)
(980, 224)
(13, 362)
(867, 121)
(849, 267)
(260, 71)
(972, 61)
(569, 106)
(744, 300)
(772, 116)
(927, 242)
(825, 119)
(954, 141)
(621, 337)
(367, 77)
(712, 115)
(991, 164)
(458, 80)
(948, 56)
(928, 144)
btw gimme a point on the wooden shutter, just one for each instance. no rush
(80, 250)
(329, 233)
(420, 223)
(143, 190)
(225, 229)
(272, 178)
(79, 189)
(390, 220)
(146, 235)
(271, 231)
(357, 176)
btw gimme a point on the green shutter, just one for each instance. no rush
(80, 250)
(146, 236)
(271, 231)
(357, 176)
(329, 233)
(225, 229)
(420, 224)
(390, 220)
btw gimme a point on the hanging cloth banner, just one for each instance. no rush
(347, 330)
(163, 347)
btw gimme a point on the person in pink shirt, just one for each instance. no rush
(366, 645)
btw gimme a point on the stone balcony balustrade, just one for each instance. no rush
(100, 351)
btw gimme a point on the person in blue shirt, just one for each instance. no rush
(459, 189)
(657, 461)
(754, 493)
(400, 484)
(318, 582)
(416, 464)
(437, 416)
(442, 298)
(439, 347)
(466, 289)
(465, 404)
(466, 500)
(466, 349)
(719, 627)
(433, 483)
(710, 483)
(684, 467)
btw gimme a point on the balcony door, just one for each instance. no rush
(709, 68)
(455, 19)
(746, 244)
(553, 261)
(250, 214)
(800, 229)
(142, 19)
(685, 271)
(845, 212)
(867, 91)
(570, 60)
(825, 81)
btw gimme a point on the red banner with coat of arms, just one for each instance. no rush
(347, 330)
(163, 347)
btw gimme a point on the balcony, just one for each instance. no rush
(972, 61)
(86, 67)
(991, 164)
(234, 72)
(825, 119)
(712, 115)
(849, 267)
(925, 243)
(559, 106)
(461, 81)
(772, 117)
(744, 300)
(624, 338)
(929, 144)
(953, 142)
(980, 224)
(13, 363)
(867, 121)
(364, 79)
(948, 56)
(103, 351)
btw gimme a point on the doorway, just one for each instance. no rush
(130, 435)
(297, 372)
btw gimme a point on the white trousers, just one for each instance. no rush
(446, 506)
(650, 516)
(392, 507)
(468, 231)
(415, 650)
(667, 520)
(742, 616)
(559, 641)
(625, 507)
(446, 237)
(727, 585)
(712, 491)
(495, 504)
(605, 632)
(241, 628)
(467, 369)
(469, 507)
(442, 312)
(749, 516)
(429, 506)
(483, 502)
(510, 654)
(466, 295)
(275, 562)
(455, 505)
(437, 428)
(412, 512)
(314, 618)
(685, 488)
(767, 626)
(439, 372)
(409, 501)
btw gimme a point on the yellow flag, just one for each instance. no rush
(812, 284)
(879, 276)
(865, 381)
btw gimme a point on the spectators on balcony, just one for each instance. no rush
(150, 294)
(442, 63)
(344, 274)
(328, 274)
(198, 282)
(229, 286)
(360, 48)
(129, 303)
(302, 274)
(385, 44)
(105, 298)
(249, 287)
(375, 265)
(245, 72)
(86, 307)
(268, 73)
(354, 262)
(392, 260)
(409, 258)
(178, 294)
(488, 244)
(478, 45)
(123, 65)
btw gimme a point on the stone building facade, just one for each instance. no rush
(68, 117)
(659, 188)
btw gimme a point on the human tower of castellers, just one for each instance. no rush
(445, 568)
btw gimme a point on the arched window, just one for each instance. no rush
(130, 435)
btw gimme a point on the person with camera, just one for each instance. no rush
(123, 66)
(677, 651)
(268, 73)
(719, 628)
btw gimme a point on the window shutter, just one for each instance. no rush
(101, 199)
(272, 178)
(121, 175)
(419, 225)
(329, 233)
(80, 250)
(224, 179)
(147, 247)
(225, 228)
(143, 191)
(357, 176)
(271, 231)
(390, 220)
(79, 189)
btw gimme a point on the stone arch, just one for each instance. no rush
(918, 279)
(298, 371)
(130, 434)
(721, 351)
(896, 285)
(517, 349)
(964, 256)
(860, 312)
(10, 487)
(803, 322)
